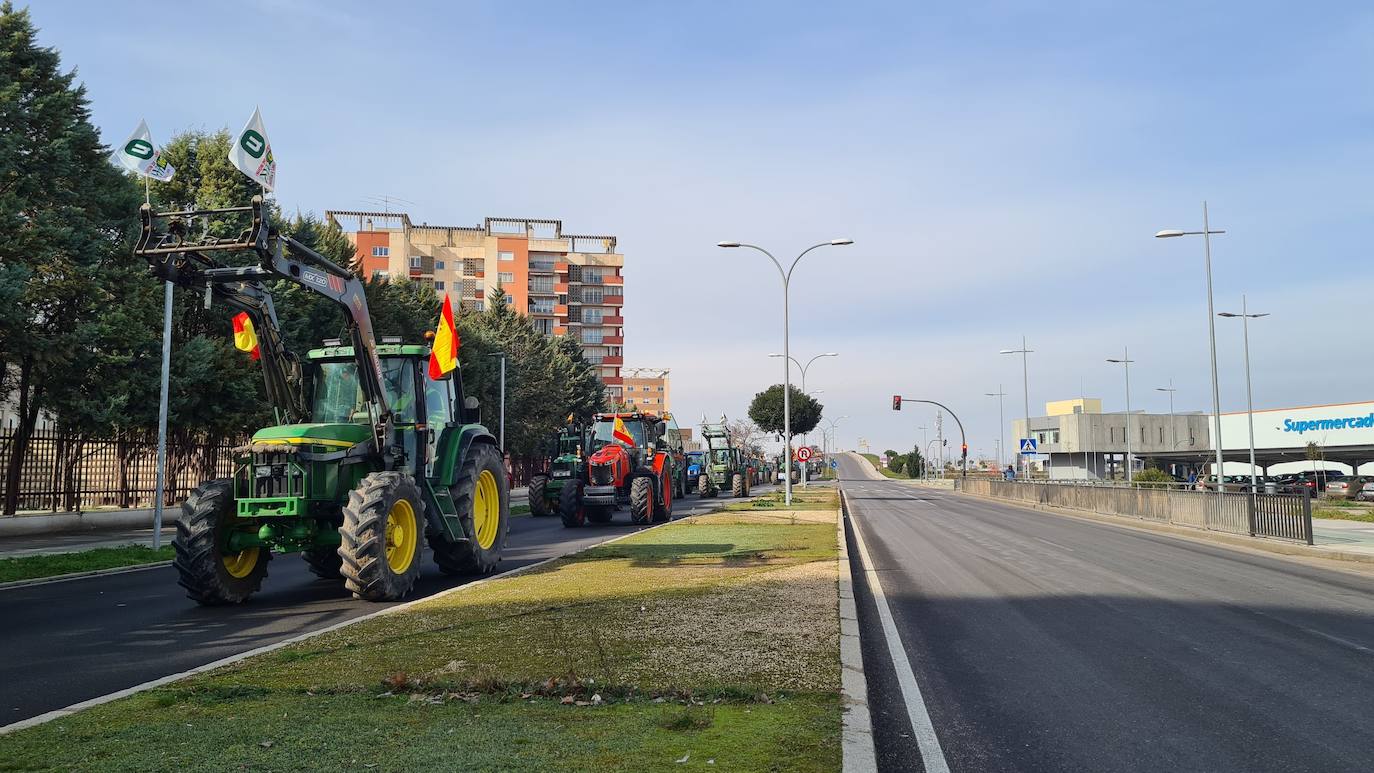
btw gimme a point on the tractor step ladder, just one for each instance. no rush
(448, 512)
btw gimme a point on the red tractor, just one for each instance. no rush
(630, 463)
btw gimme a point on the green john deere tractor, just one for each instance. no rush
(725, 465)
(370, 458)
(565, 461)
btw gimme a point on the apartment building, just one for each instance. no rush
(646, 389)
(568, 284)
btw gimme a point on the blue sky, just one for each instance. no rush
(1001, 167)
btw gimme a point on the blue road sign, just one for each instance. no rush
(1027, 446)
(834, 464)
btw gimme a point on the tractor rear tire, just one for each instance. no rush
(704, 487)
(664, 512)
(383, 522)
(538, 491)
(571, 510)
(209, 576)
(324, 563)
(737, 485)
(482, 485)
(642, 500)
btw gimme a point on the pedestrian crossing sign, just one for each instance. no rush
(1028, 446)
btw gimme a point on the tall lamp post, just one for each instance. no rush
(1001, 423)
(1245, 317)
(1126, 361)
(1206, 234)
(1173, 431)
(786, 276)
(1025, 393)
(833, 424)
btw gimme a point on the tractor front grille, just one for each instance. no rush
(601, 474)
(273, 475)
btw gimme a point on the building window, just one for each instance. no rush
(592, 316)
(438, 285)
(416, 262)
(541, 306)
(505, 277)
(510, 300)
(504, 255)
(482, 305)
(438, 265)
(660, 389)
(544, 326)
(381, 252)
(541, 284)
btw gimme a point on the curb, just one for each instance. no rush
(160, 681)
(1261, 544)
(856, 737)
(14, 584)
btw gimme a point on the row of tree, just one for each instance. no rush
(81, 318)
(912, 464)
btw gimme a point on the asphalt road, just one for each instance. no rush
(1046, 643)
(70, 641)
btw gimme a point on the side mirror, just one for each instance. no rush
(661, 428)
(472, 410)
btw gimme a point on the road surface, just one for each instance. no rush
(70, 641)
(1046, 643)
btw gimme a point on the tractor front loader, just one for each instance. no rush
(725, 465)
(369, 458)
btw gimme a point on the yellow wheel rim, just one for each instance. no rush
(486, 510)
(402, 535)
(239, 565)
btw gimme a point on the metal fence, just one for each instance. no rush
(1282, 516)
(66, 473)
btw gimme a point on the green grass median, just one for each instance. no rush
(54, 564)
(709, 643)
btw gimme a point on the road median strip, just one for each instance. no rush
(50, 567)
(711, 640)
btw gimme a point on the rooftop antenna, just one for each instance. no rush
(385, 200)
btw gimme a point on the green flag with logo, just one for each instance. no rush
(139, 155)
(252, 153)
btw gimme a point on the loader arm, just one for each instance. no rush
(176, 257)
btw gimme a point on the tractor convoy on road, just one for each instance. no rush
(373, 455)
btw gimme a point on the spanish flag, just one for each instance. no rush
(619, 432)
(245, 338)
(444, 356)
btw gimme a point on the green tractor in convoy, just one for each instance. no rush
(370, 458)
(726, 466)
(565, 461)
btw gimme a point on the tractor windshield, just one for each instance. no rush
(720, 456)
(603, 433)
(339, 400)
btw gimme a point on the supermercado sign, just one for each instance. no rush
(1325, 425)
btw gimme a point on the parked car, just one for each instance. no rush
(1315, 482)
(1344, 487)
(1366, 492)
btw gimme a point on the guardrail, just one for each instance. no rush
(1279, 516)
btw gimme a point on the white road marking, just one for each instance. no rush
(932, 756)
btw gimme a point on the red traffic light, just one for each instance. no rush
(963, 449)
(896, 402)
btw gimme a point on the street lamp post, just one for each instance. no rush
(1173, 431)
(786, 276)
(1001, 422)
(1126, 361)
(1206, 234)
(1025, 393)
(1245, 317)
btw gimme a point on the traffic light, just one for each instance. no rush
(896, 402)
(963, 450)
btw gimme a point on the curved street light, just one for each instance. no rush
(786, 276)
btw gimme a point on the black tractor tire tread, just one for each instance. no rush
(363, 548)
(641, 499)
(199, 565)
(571, 511)
(705, 489)
(539, 504)
(737, 485)
(468, 558)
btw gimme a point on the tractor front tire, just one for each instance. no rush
(664, 512)
(482, 497)
(209, 576)
(642, 500)
(704, 487)
(571, 510)
(737, 485)
(381, 547)
(538, 493)
(324, 563)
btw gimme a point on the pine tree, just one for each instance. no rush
(67, 216)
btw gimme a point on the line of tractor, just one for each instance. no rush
(637, 460)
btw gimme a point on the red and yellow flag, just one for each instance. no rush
(245, 337)
(444, 356)
(619, 432)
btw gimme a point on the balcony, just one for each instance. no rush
(609, 360)
(560, 288)
(612, 279)
(615, 340)
(613, 321)
(617, 380)
(612, 300)
(559, 330)
(560, 267)
(562, 311)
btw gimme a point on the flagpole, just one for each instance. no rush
(162, 414)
